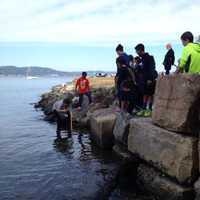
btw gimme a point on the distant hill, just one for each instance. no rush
(38, 71)
(32, 71)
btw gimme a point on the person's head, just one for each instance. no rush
(119, 49)
(66, 102)
(140, 49)
(168, 46)
(131, 58)
(84, 74)
(186, 38)
(137, 60)
(121, 62)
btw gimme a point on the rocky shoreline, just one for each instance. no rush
(166, 146)
(103, 95)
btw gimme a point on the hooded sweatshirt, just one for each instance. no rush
(190, 59)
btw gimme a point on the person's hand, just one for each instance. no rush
(76, 92)
(149, 82)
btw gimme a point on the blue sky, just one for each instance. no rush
(82, 34)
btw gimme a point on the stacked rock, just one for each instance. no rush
(169, 141)
(168, 144)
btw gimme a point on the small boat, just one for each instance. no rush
(31, 77)
(28, 77)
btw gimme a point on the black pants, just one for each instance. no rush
(139, 97)
(64, 122)
(167, 71)
(88, 94)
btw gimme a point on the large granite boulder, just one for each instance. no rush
(151, 181)
(102, 124)
(173, 154)
(176, 105)
(121, 128)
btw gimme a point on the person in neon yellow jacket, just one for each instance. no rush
(190, 59)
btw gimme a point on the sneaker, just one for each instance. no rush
(147, 113)
(140, 113)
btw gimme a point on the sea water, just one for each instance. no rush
(33, 165)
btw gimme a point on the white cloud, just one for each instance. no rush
(97, 21)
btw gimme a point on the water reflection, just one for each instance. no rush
(64, 145)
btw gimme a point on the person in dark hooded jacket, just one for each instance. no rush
(125, 84)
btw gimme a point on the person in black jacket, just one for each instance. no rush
(149, 77)
(169, 59)
(125, 84)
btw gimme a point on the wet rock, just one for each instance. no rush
(102, 124)
(50, 117)
(123, 153)
(121, 129)
(102, 98)
(80, 116)
(150, 180)
(176, 105)
(173, 154)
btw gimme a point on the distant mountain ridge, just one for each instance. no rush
(32, 71)
(37, 71)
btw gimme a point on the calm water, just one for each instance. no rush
(32, 164)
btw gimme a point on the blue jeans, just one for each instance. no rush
(88, 94)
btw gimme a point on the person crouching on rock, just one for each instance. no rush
(83, 88)
(63, 116)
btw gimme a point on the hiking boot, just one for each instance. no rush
(147, 113)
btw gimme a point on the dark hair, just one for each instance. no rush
(139, 47)
(121, 60)
(84, 73)
(131, 58)
(137, 58)
(187, 36)
(67, 101)
(119, 47)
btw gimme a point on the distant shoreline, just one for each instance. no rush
(13, 71)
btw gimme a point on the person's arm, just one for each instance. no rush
(183, 60)
(132, 75)
(150, 67)
(77, 85)
(64, 110)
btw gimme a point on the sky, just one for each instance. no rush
(82, 34)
